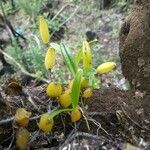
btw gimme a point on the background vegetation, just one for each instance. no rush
(69, 22)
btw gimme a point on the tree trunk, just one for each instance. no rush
(135, 46)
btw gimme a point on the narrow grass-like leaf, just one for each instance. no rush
(69, 61)
(57, 112)
(78, 56)
(89, 72)
(92, 81)
(76, 89)
(55, 46)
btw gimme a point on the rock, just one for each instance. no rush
(128, 146)
(90, 35)
(134, 48)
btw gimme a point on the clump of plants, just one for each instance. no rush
(83, 78)
(68, 96)
(30, 7)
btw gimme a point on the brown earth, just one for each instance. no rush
(114, 117)
(135, 46)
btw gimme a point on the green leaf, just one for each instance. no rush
(57, 112)
(89, 72)
(76, 89)
(55, 46)
(69, 61)
(78, 56)
(92, 81)
(95, 40)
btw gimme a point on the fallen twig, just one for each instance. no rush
(5, 121)
(126, 114)
(8, 25)
(96, 113)
(79, 134)
(9, 120)
(59, 12)
(85, 118)
(66, 20)
(98, 125)
(23, 70)
(69, 17)
(144, 128)
(12, 140)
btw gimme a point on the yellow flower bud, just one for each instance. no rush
(44, 32)
(22, 138)
(87, 56)
(46, 123)
(75, 115)
(70, 83)
(68, 91)
(87, 93)
(84, 83)
(65, 99)
(105, 67)
(22, 117)
(50, 58)
(54, 90)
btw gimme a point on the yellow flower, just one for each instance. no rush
(88, 93)
(22, 117)
(22, 138)
(65, 99)
(75, 115)
(84, 83)
(70, 83)
(68, 91)
(87, 56)
(50, 58)
(46, 123)
(44, 32)
(54, 90)
(105, 67)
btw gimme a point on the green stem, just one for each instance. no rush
(57, 112)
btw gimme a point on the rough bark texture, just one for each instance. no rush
(135, 46)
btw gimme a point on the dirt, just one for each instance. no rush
(122, 110)
(114, 117)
